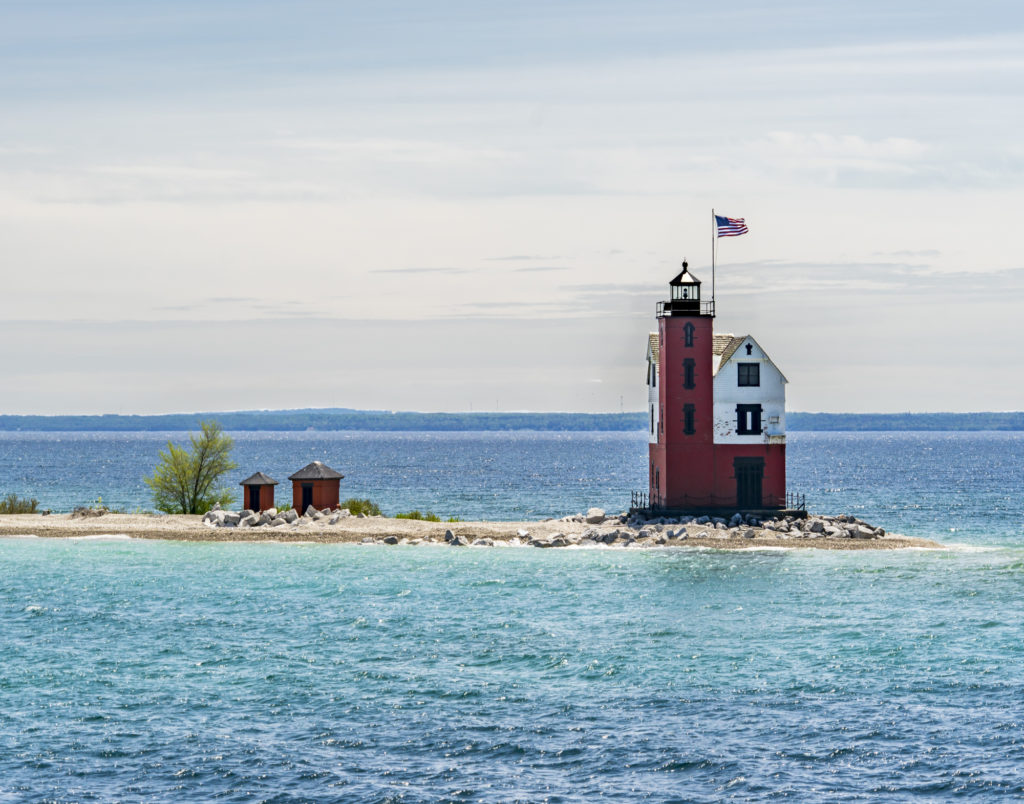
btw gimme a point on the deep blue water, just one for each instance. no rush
(179, 671)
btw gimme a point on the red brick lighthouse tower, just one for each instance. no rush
(717, 411)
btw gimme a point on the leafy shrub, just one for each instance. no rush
(427, 517)
(356, 507)
(13, 504)
(190, 481)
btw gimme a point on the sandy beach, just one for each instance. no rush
(377, 529)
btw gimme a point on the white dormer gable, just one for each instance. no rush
(741, 349)
(749, 393)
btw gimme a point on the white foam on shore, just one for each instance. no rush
(21, 536)
(974, 548)
(102, 537)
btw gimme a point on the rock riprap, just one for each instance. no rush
(594, 528)
(271, 518)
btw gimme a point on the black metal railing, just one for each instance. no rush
(685, 307)
(641, 500)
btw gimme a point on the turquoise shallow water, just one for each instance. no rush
(161, 670)
(155, 671)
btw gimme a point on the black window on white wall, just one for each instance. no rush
(749, 374)
(748, 419)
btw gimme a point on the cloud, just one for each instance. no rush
(420, 271)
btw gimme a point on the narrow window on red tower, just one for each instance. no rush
(748, 420)
(652, 419)
(689, 367)
(688, 335)
(688, 425)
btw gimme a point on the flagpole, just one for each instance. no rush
(713, 239)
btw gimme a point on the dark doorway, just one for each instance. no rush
(307, 496)
(254, 498)
(749, 477)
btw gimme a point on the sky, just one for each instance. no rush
(472, 205)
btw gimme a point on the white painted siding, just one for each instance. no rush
(770, 394)
(653, 406)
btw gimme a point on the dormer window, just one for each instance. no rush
(749, 374)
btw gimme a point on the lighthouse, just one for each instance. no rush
(717, 411)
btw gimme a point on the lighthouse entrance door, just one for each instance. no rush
(749, 478)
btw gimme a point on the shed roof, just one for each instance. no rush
(258, 479)
(316, 471)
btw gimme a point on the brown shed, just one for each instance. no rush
(317, 485)
(259, 492)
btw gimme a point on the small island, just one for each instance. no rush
(594, 529)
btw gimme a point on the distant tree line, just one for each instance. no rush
(905, 421)
(382, 420)
(333, 419)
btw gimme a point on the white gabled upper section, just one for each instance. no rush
(753, 412)
(724, 348)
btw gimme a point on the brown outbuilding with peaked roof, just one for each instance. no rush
(316, 484)
(259, 492)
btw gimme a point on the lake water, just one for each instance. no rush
(142, 671)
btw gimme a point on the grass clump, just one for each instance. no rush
(13, 504)
(429, 516)
(356, 507)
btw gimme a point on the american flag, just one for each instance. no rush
(730, 227)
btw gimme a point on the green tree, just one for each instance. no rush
(189, 481)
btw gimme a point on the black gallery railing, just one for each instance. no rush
(641, 500)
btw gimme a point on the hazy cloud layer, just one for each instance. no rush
(525, 178)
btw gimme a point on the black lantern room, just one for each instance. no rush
(685, 295)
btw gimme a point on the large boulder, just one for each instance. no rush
(595, 516)
(290, 516)
(390, 540)
(231, 518)
(861, 532)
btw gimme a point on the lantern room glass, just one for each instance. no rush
(685, 292)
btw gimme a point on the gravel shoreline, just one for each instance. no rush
(566, 532)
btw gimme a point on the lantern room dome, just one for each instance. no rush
(684, 278)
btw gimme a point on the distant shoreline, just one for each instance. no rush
(341, 419)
